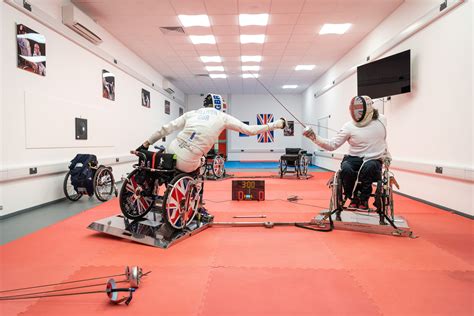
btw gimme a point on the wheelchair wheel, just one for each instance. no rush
(181, 201)
(218, 166)
(135, 198)
(283, 167)
(303, 165)
(104, 183)
(337, 200)
(388, 200)
(69, 191)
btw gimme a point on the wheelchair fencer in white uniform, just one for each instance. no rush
(366, 134)
(199, 131)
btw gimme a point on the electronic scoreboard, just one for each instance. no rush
(248, 190)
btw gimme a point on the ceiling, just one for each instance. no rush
(292, 38)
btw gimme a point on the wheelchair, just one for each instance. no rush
(155, 184)
(214, 165)
(295, 160)
(86, 176)
(383, 196)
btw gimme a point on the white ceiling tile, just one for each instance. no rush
(284, 19)
(278, 38)
(227, 39)
(189, 7)
(286, 6)
(254, 7)
(224, 19)
(222, 6)
(228, 46)
(279, 29)
(225, 30)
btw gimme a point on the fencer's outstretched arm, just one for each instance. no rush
(174, 125)
(328, 144)
(236, 125)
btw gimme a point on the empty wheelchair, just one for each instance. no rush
(156, 185)
(214, 165)
(295, 160)
(382, 197)
(87, 177)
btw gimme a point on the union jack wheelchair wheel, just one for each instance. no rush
(181, 200)
(136, 195)
(218, 166)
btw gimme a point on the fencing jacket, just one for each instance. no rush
(200, 130)
(367, 142)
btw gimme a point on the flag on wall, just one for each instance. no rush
(266, 137)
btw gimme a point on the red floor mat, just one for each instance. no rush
(257, 271)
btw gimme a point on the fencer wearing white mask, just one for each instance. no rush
(366, 134)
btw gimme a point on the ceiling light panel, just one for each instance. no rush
(245, 76)
(214, 68)
(253, 19)
(255, 58)
(211, 59)
(290, 86)
(194, 20)
(245, 39)
(202, 39)
(334, 28)
(250, 68)
(305, 67)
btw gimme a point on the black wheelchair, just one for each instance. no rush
(178, 201)
(214, 165)
(86, 176)
(383, 196)
(295, 160)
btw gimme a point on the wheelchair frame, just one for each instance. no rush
(102, 176)
(180, 202)
(214, 164)
(383, 195)
(300, 165)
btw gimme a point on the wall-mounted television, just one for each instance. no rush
(385, 77)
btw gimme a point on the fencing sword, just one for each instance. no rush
(132, 274)
(276, 99)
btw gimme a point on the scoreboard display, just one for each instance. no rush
(248, 190)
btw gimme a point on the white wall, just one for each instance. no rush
(71, 88)
(433, 124)
(245, 108)
(2, 144)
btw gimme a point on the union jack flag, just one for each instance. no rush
(265, 137)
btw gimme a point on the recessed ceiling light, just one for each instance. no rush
(202, 39)
(251, 58)
(250, 68)
(194, 20)
(250, 76)
(305, 67)
(335, 28)
(218, 76)
(260, 38)
(290, 86)
(214, 68)
(211, 59)
(253, 19)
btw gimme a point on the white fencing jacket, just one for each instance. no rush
(367, 142)
(200, 130)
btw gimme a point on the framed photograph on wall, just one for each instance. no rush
(31, 50)
(146, 98)
(242, 134)
(167, 107)
(81, 128)
(289, 129)
(108, 85)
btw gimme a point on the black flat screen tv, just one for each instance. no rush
(385, 77)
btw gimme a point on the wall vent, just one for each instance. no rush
(170, 30)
